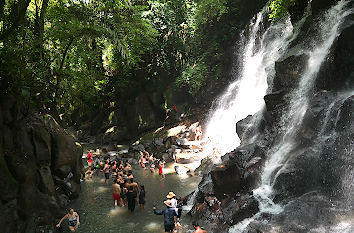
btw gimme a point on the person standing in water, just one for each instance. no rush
(116, 190)
(89, 161)
(106, 171)
(161, 169)
(131, 196)
(142, 197)
(170, 216)
(73, 219)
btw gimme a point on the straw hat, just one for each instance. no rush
(168, 203)
(170, 195)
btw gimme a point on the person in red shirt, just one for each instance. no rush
(89, 160)
(161, 169)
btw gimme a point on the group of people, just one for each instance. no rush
(149, 161)
(127, 192)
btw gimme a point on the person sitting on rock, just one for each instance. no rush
(73, 220)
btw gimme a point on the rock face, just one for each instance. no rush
(36, 156)
(314, 183)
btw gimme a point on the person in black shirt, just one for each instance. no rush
(170, 216)
(142, 197)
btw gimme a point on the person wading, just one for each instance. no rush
(73, 220)
(131, 196)
(106, 172)
(170, 216)
(116, 190)
(142, 197)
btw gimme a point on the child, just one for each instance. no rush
(142, 197)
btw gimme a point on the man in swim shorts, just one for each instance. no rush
(116, 190)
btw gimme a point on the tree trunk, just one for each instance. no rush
(17, 15)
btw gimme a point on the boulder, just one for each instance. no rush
(167, 157)
(42, 143)
(289, 72)
(338, 69)
(275, 103)
(67, 156)
(227, 179)
(239, 209)
(181, 170)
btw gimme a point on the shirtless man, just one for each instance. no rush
(197, 228)
(130, 174)
(106, 171)
(116, 190)
(132, 183)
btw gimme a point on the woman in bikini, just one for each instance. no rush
(73, 220)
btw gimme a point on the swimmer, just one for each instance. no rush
(73, 220)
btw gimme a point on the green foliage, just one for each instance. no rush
(279, 8)
(73, 56)
(193, 77)
(209, 10)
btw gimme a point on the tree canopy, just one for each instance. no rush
(70, 56)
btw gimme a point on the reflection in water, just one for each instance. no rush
(96, 207)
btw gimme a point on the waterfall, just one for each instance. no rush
(317, 49)
(245, 95)
(281, 152)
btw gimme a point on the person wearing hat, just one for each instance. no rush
(170, 216)
(171, 196)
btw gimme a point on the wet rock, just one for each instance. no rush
(337, 71)
(138, 147)
(167, 157)
(320, 5)
(227, 179)
(275, 103)
(240, 209)
(158, 141)
(289, 72)
(305, 214)
(181, 170)
(297, 10)
(170, 141)
(205, 166)
(346, 115)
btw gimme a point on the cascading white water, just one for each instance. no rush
(282, 152)
(244, 96)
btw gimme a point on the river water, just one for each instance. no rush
(96, 208)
